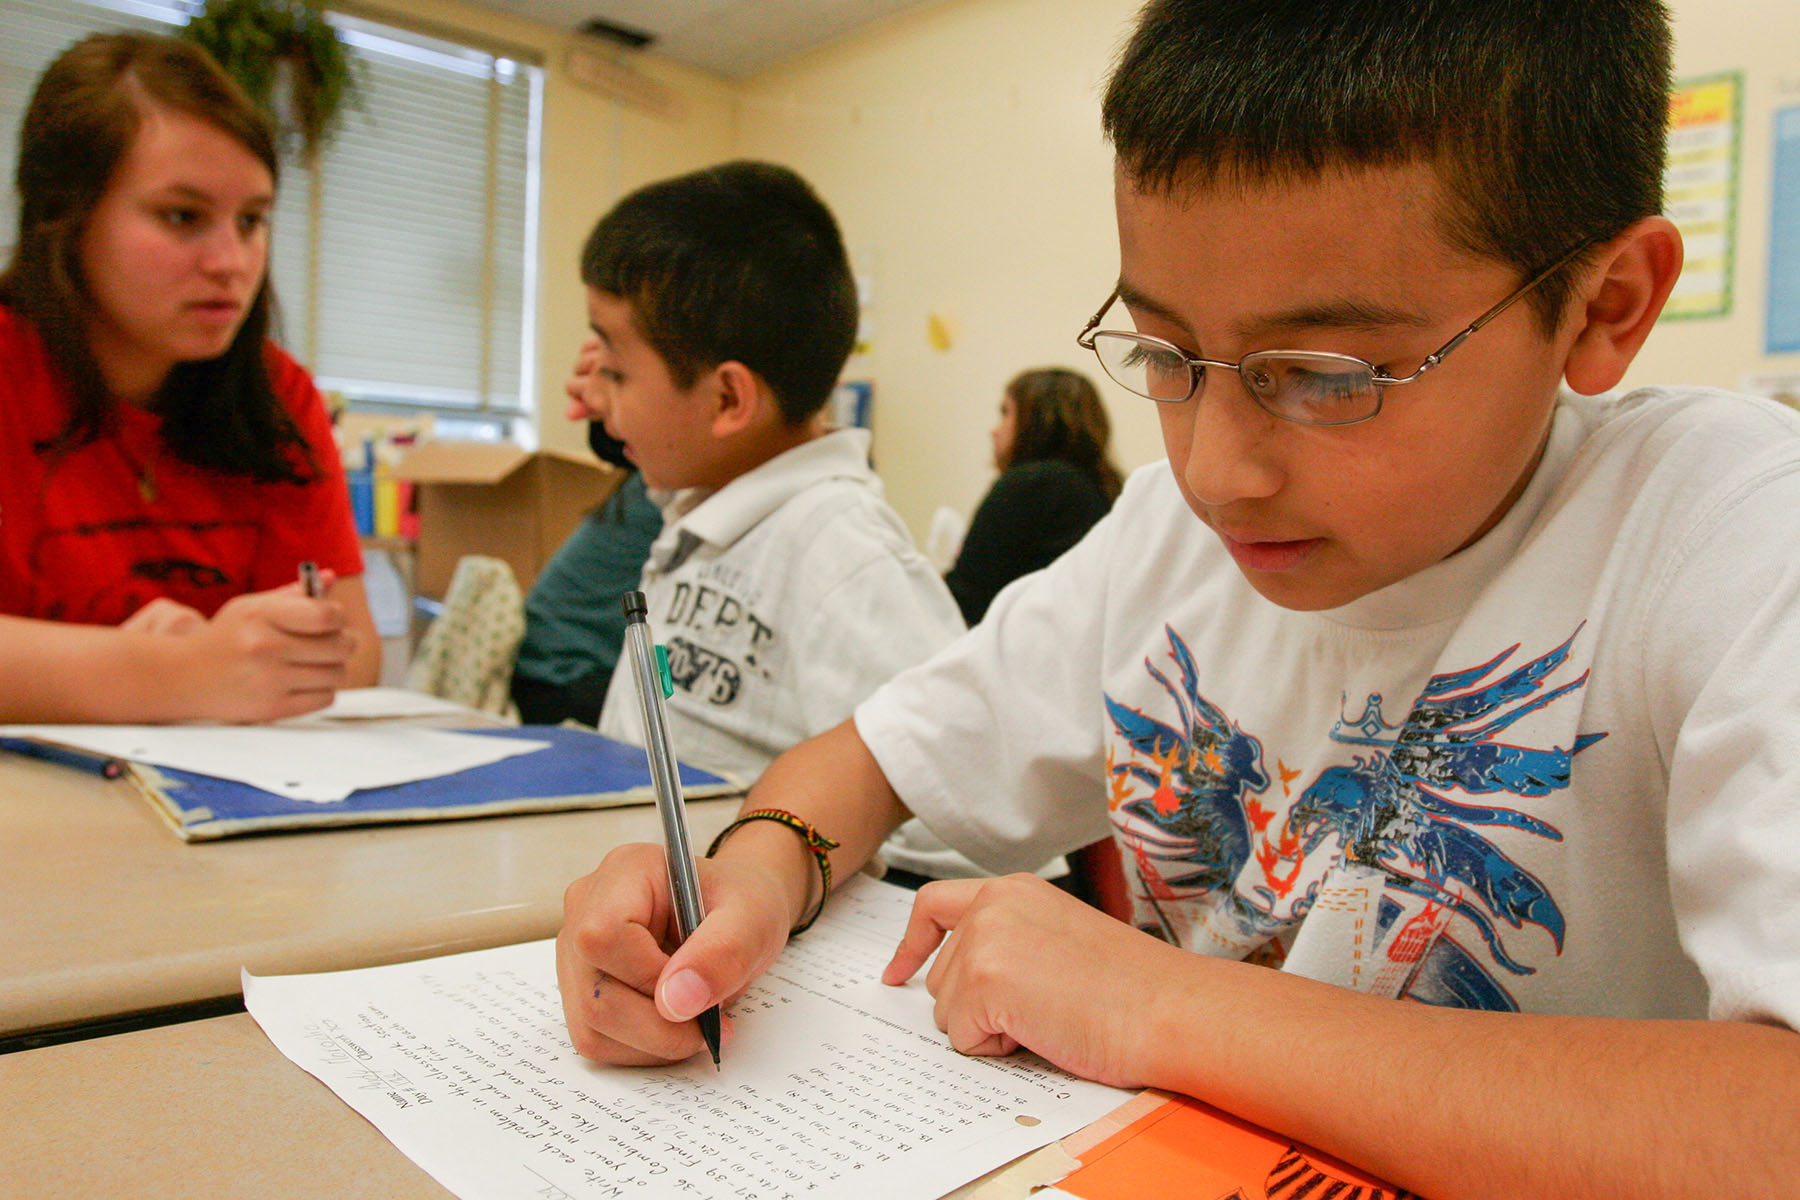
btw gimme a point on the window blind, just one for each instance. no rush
(404, 265)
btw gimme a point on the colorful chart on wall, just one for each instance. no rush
(1784, 236)
(1700, 190)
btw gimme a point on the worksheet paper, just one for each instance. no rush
(380, 704)
(835, 1085)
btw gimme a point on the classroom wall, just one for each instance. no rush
(959, 145)
(1760, 38)
(595, 149)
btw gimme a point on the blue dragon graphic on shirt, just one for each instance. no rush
(1190, 793)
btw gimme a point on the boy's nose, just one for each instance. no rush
(1227, 444)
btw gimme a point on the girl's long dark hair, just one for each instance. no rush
(1058, 415)
(221, 414)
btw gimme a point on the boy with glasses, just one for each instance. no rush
(1464, 690)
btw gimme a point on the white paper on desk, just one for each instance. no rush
(318, 765)
(381, 703)
(835, 1084)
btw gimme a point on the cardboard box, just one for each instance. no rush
(497, 499)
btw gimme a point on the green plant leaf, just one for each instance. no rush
(255, 39)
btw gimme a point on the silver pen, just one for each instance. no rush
(684, 879)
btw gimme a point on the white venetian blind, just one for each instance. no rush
(407, 279)
(32, 33)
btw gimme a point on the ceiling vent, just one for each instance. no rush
(600, 61)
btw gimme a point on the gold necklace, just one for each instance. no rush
(144, 470)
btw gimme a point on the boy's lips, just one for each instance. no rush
(1253, 553)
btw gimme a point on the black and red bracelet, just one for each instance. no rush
(816, 842)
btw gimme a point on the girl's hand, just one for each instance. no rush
(165, 616)
(268, 655)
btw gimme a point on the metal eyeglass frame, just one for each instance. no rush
(1196, 365)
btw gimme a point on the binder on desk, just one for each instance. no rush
(579, 769)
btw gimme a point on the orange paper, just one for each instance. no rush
(1186, 1150)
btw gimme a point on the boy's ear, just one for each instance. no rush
(1621, 302)
(740, 400)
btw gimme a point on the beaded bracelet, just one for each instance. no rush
(815, 841)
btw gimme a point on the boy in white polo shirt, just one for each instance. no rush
(784, 586)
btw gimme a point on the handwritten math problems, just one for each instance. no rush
(834, 1081)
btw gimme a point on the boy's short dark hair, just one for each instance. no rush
(738, 262)
(1545, 119)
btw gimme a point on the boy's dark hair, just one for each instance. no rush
(738, 262)
(1545, 119)
(83, 117)
(1057, 415)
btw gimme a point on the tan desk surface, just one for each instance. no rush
(203, 1108)
(211, 1108)
(104, 911)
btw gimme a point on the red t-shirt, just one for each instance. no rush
(94, 536)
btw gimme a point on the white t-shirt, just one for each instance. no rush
(784, 599)
(1558, 771)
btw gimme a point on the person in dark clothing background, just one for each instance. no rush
(1056, 479)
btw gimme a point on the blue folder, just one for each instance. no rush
(579, 769)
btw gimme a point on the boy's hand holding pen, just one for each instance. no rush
(632, 990)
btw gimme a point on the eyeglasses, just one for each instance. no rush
(1304, 386)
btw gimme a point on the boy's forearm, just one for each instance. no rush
(834, 784)
(1460, 1105)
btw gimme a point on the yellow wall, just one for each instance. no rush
(1760, 38)
(960, 147)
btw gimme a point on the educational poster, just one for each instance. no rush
(1700, 190)
(1784, 236)
(1186, 1150)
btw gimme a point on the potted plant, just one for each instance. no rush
(288, 58)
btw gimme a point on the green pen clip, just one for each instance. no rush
(662, 670)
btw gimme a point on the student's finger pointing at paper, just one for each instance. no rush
(1029, 965)
(942, 915)
(936, 911)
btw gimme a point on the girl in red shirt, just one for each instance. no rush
(164, 469)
